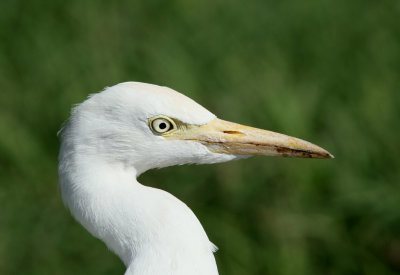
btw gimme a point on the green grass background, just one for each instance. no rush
(323, 70)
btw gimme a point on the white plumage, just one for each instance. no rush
(111, 139)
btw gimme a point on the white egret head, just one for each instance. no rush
(147, 126)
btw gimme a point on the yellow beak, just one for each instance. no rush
(231, 138)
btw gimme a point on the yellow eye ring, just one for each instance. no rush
(161, 125)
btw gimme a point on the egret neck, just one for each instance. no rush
(149, 229)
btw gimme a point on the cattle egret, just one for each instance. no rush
(116, 135)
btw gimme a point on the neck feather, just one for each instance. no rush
(149, 229)
(105, 199)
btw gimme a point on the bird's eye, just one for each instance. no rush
(161, 125)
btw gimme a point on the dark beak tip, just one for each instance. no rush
(329, 156)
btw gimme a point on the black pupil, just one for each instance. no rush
(162, 125)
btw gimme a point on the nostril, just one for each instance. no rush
(233, 132)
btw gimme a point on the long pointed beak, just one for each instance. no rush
(231, 138)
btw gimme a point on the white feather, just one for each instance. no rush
(106, 145)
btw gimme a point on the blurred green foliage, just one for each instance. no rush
(326, 71)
